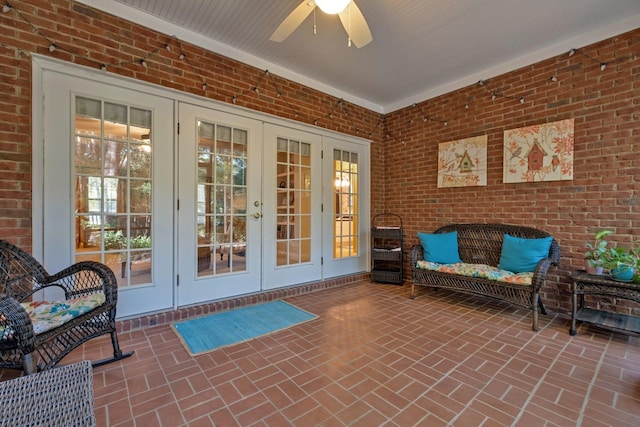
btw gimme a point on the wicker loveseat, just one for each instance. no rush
(35, 335)
(480, 245)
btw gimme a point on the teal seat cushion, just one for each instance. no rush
(522, 255)
(440, 247)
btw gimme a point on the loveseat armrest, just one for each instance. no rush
(84, 278)
(16, 330)
(540, 273)
(554, 252)
(416, 255)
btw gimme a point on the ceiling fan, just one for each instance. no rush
(350, 15)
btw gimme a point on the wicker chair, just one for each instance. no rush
(21, 276)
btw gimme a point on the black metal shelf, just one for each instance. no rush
(387, 263)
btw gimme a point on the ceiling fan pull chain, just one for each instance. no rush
(314, 22)
(349, 32)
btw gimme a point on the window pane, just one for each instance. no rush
(115, 113)
(222, 164)
(140, 161)
(345, 203)
(88, 108)
(88, 156)
(113, 212)
(115, 158)
(240, 143)
(293, 202)
(140, 196)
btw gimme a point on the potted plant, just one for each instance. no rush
(621, 262)
(636, 275)
(596, 251)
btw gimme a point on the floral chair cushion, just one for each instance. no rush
(479, 270)
(46, 315)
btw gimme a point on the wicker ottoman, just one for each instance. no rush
(61, 396)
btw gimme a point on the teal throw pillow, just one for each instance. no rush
(522, 255)
(440, 247)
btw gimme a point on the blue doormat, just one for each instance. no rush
(209, 333)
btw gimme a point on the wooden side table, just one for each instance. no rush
(590, 284)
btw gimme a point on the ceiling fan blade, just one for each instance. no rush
(355, 25)
(292, 21)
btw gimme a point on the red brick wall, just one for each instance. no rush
(605, 191)
(89, 37)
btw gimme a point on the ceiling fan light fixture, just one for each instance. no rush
(332, 7)
(350, 15)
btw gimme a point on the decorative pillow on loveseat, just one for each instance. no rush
(440, 247)
(522, 255)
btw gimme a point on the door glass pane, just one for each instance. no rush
(222, 200)
(112, 173)
(293, 207)
(345, 170)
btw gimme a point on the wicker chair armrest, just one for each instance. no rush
(84, 278)
(416, 255)
(16, 330)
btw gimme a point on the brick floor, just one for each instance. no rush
(375, 357)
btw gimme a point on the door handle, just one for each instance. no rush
(257, 215)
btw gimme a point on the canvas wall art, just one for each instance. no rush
(463, 163)
(541, 152)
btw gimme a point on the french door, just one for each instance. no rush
(292, 191)
(220, 205)
(345, 207)
(106, 194)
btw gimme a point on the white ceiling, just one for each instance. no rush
(420, 48)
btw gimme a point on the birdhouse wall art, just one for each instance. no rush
(541, 152)
(463, 163)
